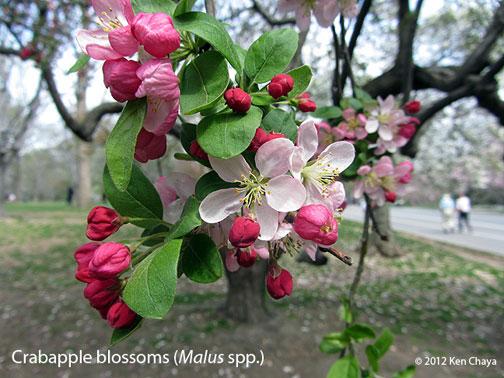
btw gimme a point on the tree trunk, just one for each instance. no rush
(389, 247)
(84, 150)
(16, 185)
(246, 293)
(3, 187)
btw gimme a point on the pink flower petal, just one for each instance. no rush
(230, 169)
(285, 193)
(220, 204)
(267, 219)
(273, 157)
(123, 41)
(161, 115)
(96, 44)
(183, 184)
(307, 139)
(339, 154)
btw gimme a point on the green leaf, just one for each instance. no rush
(139, 200)
(406, 373)
(270, 54)
(262, 99)
(327, 112)
(153, 6)
(208, 183)
(201, 261)
(81, 62)
(185, 157)
(203, 82)
(151, 288)
(189, 219)
(280, 121)
(183, 6)
(362, 95)
(120, 334)
(346, 367)
(360, 331)
(373, 357)
(227, 134)
(211, 30)
(350, 102)
(121, 142)
(302, 77)
(384, 342)
(344, 311)
(334, 342)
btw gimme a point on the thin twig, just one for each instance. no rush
(340, 255)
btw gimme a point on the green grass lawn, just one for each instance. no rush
(438, 300)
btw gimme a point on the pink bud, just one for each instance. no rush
(101, 293)
(244, 232)
(83, 274)
(156, 33)
(84, 254)
(25, 53)
(120, 315)
(149, 146)
(412, 107)
(246, 258)
(158, 81)
(407, 130)
(307, 106)
(280, 85)
(120, 76)
(390, 197)
(197, 151)
(238, 100)
(279, 286)
(102, 222)
(406, 179)
(109, 260)
(272, 135)
(260, 138)
(317, 223)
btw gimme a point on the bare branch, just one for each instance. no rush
(270, 20)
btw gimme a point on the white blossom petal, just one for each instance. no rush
(339, 154)
(267, 219)
(285, 193)
(230, 169)
(273, 157)
(372, 125)
(220, 204)
(307, 139)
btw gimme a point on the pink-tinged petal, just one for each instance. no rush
(123, 41)
(303, 18)
(386, 132)
(285, 6)
(314, 196)
(230, 169)
(183, 184)
(310, 248)
(325, 12)
(232, 262)
(285, 193)
(220, 204)
(339, 154)
(361, 119)
(173, 211)
(348, 114)
(388, 105)
(267, 219)
(165, 191)
(156, 33)
(358, 189)
(337, 194)
(161, 115)
(401, 189)
(372, 125)
(364, 170)
(401, 170)
(361, 133)
(96, 44)
(158, 80)
(263, 252)
(118, 11)
(307, 139)
(283, 230)
(296, 162)
(273, 157)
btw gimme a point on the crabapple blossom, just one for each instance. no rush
(174, 190)
(266, 192)
(280, 85)
(197, 151)
(406, 178)
(244, 232)
(353, 124)
(316, 223)
(325, 11)
(390, 197)
(327, 135)
(238, 100)
(156, 33)
(101, 293)
(305, 104)
(120, 76)
(149, 146)
(278, 282)
(120, 315)
(259, 139)
(109, 260)
(83, 256)
(412, 107)
(246, 257)
(386, 118)
(115, 39)
(102, 222)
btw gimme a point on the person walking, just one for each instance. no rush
(447, 208)
(463, 206)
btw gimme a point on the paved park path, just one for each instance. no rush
(487, 235)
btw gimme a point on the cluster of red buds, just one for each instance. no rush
(100, 264)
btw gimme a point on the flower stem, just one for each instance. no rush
(145, 253)
(160, 221)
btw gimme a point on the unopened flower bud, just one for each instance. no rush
(307, 106)
(272, 135)
(280, 85)
(84, 254)
(102, 222)
(412, 107)
(109, 260)
(156, 33)
(247, 258)
(101, 293)
(317, 223)
(407, 130)
(390, 197)
(238, 100)
(244, 232)
(197, 151)
(260, 138)
(149, 146)
(120, 76)
(406, 178)
(280, 285)
(120, 315)
(25, 53)
(83, 274)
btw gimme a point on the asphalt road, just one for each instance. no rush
(487, 234)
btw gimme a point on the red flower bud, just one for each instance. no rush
(280, 85)
(260, 138)
(84, 254)
(197, 151)
(238, 100)
(390, 197)
(25, 53)
(272, 135)
(407, 130)
(83, 274)
(102, 222)
(109, 260)
(156, 33)
(279, 286)
(244, 232)
(412, 107)
(120, 76)
(101, 293)
(246, 258)
(317, 223)
(307, 106)
(120, 315)
(149, 146)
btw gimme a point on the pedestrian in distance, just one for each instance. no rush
(447, 209)
(463, 206)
